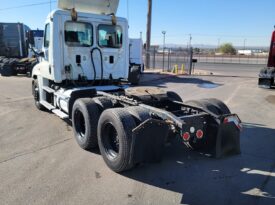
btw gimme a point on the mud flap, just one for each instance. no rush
(148, 141)
(227, 140)
(265, 82)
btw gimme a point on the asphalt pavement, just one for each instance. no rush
(41, 163)
(239, 70)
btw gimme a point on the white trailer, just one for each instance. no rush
(136, 52)
(84, 77)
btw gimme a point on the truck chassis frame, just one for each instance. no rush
(159, 117)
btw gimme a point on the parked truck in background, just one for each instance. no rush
(136, 53)
(18, 48)
(267, 74)
(84, 77)
(135, 60)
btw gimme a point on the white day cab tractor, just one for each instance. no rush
(267, 74)
(83, 77)
(18, 48)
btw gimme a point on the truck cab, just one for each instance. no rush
(91, 47)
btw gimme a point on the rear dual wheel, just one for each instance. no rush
(115, 138)
(85, 117)
(112, 130)
(115, 135)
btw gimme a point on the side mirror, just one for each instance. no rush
(41, 54)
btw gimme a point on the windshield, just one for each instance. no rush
(110, 36)
(78, 34)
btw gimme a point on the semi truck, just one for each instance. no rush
(267, 74)
(18, 48)
(135, 60)
(84, 78)
(136, 52)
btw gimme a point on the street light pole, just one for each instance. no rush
(190, 54)
(244, 42)
(163, 32)
(190, 40)
(148, 34)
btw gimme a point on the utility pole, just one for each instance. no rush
(148, 34)
(190, 54)
(163, 32)
(190, 40)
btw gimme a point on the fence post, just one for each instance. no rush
(182, 68)
(154, 59)
(190, 61)
(169, 53)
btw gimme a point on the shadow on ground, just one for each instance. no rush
(161, 80)
(248, 178)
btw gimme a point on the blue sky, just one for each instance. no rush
(209, 21)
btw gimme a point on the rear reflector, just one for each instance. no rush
(199, 134)
(186, 136)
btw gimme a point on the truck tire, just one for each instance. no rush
(134, 75)
(85, 116)
(5, 60)
(9, 68)
(1, 58)
(212, 105)
(222, 107)
(139, 114)
(35, 93)
(103, 103)
(115, 138)
(174, 96)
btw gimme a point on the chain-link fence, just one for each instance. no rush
(170, 59)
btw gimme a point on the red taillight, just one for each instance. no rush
(199, 134)
(226, 120)
(186, 136)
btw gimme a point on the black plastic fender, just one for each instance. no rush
(148, 141)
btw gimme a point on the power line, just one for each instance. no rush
(27, 5)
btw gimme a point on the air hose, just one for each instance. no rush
(101, 64)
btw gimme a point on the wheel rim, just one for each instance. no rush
(36, 94)
(80, 126)
(110, 140)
